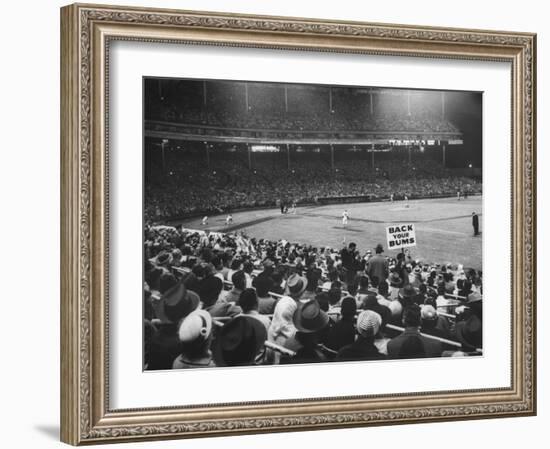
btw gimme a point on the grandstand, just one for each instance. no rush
(214, 145)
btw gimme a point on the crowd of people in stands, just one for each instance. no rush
(313, 121)
(190, 189)
(213, 299)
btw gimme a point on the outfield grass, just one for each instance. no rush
(443, 227)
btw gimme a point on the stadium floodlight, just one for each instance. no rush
(264, 149)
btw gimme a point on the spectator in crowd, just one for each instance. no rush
(334, 299)
(210, 288)
(296, 286)
(174, 305)
(172, 341)
(433, 324)
(349, 262)
(368, 325)
(266, 302)
(411, 344)
(370, 302)
(401, 269)
(195, 335)
(248, 301)
(309, 321)
(240, 342)
(277, 282)
(408, 295)
(248, 268)
(377, 266)
(395, 286)
(239, 284)
(469, 333)
(236, 265)
(282, 326)
(342, 332)
(313, 275)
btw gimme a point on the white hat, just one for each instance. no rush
(368, 323)
(197, 324)
(396, 308)
(428, 312)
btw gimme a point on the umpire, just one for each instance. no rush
(475, 223)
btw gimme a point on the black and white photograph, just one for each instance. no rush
(294, 223)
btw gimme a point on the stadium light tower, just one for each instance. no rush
(207, 154)
(288, 156)
(163, 144)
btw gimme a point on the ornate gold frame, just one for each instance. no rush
(86, 31)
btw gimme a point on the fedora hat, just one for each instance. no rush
(162, 259)
(395, 280)
(309, 317)
(239, 341)
(469, 332)
(295, 285)
(176, 303)
(408, 292)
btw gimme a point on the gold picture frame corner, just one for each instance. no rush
(86, 31)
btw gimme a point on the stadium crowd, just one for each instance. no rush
(213, 299)
(313, 121)
(189, 189)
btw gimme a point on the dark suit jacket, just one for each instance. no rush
(165, 347)
(378, 266)
(432, 348)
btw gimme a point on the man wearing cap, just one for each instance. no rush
(411, 344)
(377, 266)
(195, 334)
(368, 325)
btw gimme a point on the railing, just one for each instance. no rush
(199, 132)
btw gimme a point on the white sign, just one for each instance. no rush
(401, 236)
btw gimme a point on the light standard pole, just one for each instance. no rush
(163, 144)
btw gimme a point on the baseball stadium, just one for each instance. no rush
(280, 191)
